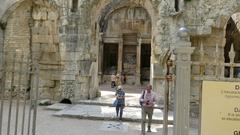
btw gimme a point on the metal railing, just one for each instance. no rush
(220, 70)
(19, 101)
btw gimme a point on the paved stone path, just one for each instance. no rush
(104, 112)
(100, 108)
(107, 98)
(114, 126)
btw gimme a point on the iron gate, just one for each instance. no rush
(18, 93)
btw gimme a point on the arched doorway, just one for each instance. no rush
(125, 47)
(232, 40)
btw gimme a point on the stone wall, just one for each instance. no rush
(128, 20)
(207, 21)
(32, 32)
(89, 15)
(209, 44)
(78, 78)
(69, 65)
(17, 38)
(1, 49)
(45, 47)
(204, 14)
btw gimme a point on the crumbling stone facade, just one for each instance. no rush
(66, 38)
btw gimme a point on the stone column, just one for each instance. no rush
(138, 65)
(100, 61)
(1, 46)
(120, 55)
(183, 53)
(181, 5)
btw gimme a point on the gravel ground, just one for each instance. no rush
(47, 124)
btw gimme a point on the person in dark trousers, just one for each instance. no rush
(124, 79)
(148, 100)
(120, 96)
(113, 78)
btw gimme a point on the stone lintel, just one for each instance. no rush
(111, 39)
(50, 67)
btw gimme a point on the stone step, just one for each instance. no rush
(98, 112)
(104, 103)
(107, 98)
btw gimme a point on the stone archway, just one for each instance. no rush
(32, 30)
(128, 30)
(105, 9)
(226, 27)
(83, 70)
(232, 34)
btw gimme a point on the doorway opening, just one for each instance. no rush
(126, 40)
(145, 63)
(232, 40)
(110, 53)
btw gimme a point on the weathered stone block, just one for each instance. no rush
(204, 30)
(70, 66)
(45, 75)
(71, 30)
(56, 76)
(68, 56)
(36, 15)
(48, 67)
(68, 89)
(55, 39)
(42, 39)
(68, 77)
(36, 47)
(47, 93)
(44, 47)
(84, 67)
(72, 47)
(40, 31)
(48, 48)
(46, 83)
(52, 15)
(83, 79)
(72, 38)
(44, 15)
(45, 102)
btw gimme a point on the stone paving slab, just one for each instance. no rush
(114, 126)
(97, 112)
(58, 106)
(107, 98)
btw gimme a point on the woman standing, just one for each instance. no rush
(120, 96)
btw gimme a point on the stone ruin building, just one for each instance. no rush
(78, 44)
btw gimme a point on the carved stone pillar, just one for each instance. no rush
(138, 66)
(120, 56)
(1, 46)
(183, 53)
(100, 61)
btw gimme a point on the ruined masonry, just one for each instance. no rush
(79, 44)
